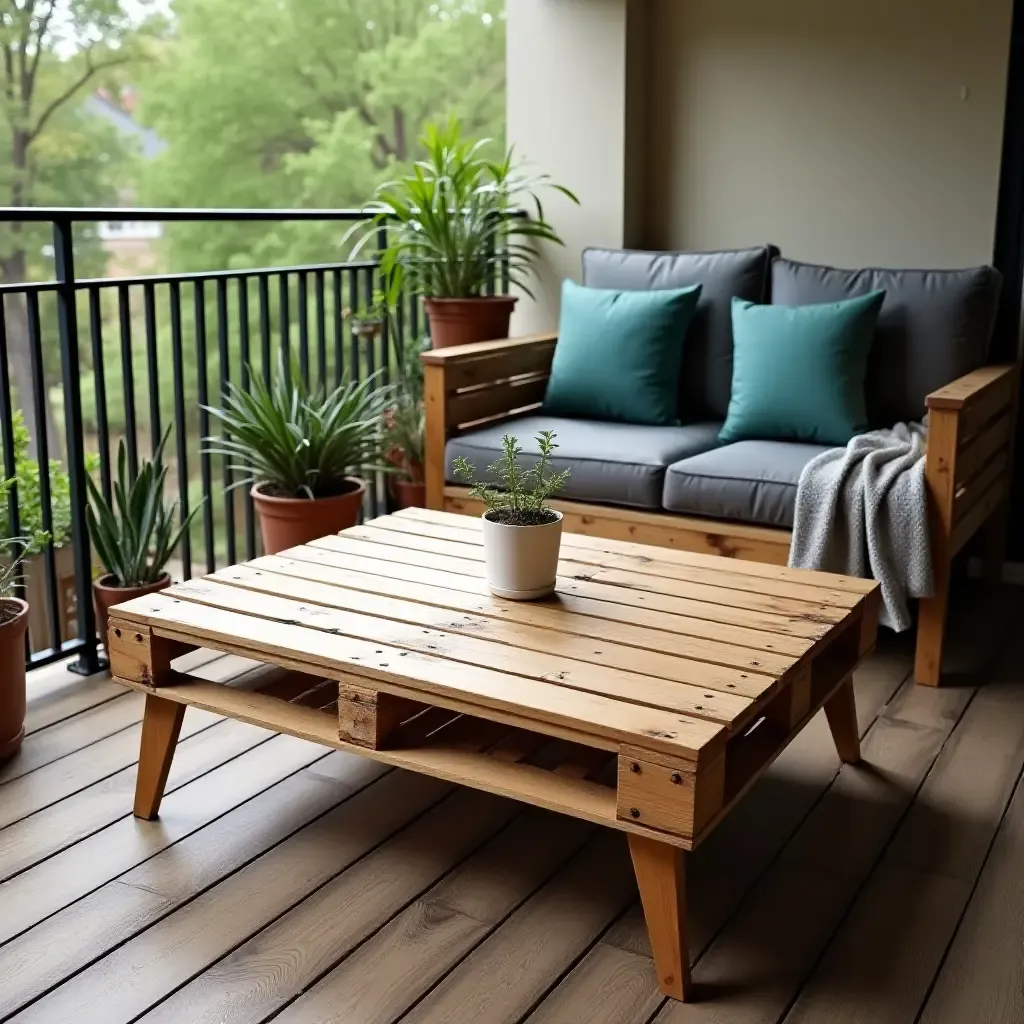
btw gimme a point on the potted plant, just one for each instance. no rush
(367, 319)
(522, 534)
(13, 623)
(134, 534)
(451, 225)
(405, 429)
(300, 448)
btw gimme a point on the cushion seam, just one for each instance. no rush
(734, 479)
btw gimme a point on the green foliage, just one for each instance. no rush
(519, 492)
(11, 572)
(307, 103)
(25, 483)
(300, 440)
(455, 217)
(368, 315)
(135, 534)
(405, 422)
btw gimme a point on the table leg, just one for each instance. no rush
(661, 877)
(160, 727)
(841, 711)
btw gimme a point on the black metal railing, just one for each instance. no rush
(138, 355)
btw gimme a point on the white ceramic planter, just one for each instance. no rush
(521, 562)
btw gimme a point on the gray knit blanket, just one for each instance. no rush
(862, 511)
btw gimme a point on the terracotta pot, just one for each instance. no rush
(288, 522)
(12, 680)
(106, 595)
(462, 321)
(409, 494)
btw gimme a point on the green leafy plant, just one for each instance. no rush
(519, 495)
(368, 316)
(25, 484)
(456, 218)
(11, 574)
(298, 441)
(135, 534)
(405, 422)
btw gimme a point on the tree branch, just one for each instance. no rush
(26, 29)
(90, 70)
(44, 27)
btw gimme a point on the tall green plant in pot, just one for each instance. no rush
(405, 429)
(13, 623)
(300, 448)
(452, 226)
(135, 533)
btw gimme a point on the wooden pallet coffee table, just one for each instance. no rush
(647, 695)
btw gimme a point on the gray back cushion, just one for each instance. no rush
(935, 326)
(706, 379)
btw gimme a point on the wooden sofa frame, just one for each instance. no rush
(968, 467)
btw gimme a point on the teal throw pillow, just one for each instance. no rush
(798, 371)
(619, 354)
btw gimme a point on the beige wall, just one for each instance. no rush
(853, 133)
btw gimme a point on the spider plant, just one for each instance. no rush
(296, 441)
(456, 217)
(135, 533)
(11, 571)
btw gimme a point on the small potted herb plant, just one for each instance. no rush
(300, 448)
(522, 535)
(134, 534)
(405, 428)
(13, 623)
(367, 319)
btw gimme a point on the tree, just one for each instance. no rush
(51, 152)
(309, 103)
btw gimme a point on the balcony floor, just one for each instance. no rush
(290, 883)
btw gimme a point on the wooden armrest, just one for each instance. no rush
(487, 349)
(989, 383)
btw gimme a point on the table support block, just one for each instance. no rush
(661, 877)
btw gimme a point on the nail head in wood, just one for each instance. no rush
(634, 812)
(634, 767)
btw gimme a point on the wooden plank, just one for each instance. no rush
(580, 616)
(972, 456)
(626, 672)
(73, 734)
(175, 949)
(445, 524)
(307, 649)
(380, 979)
(493, 400)
(510, 362)
(485, 349)
(70, 940)
(87, 767)
(573, 558)
(981, 387)
(370, 575)
(62, 824)
(505, 976)
(975, 516)
(382, 972)
(54, 694)
(66, 877)
(968, 496)
(731, 540)
(435, 401)
(815, 611)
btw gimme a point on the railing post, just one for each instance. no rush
(88, 661)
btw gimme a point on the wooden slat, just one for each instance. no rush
(812, 610)
(446, 524)
(494, 400)
(976, 488)
(359, 572)
(575, 561)
(653, 678)
(981, 388)
(448, 357)
(976, 515)
(302, 648)
(687, 533)
(972, 457)
(515, 362)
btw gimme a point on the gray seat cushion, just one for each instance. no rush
(613, 463)
(706, 379)
(752, 481)
(935, 326)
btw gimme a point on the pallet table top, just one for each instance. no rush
(659, 656)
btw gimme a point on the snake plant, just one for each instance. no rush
(135, 533)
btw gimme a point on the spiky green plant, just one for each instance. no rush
(456, 218)
(11, 570)
(298, 441)
(514, 495)
(135, 533)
